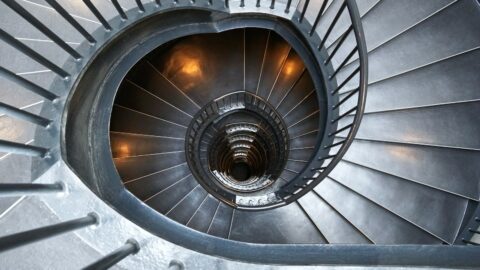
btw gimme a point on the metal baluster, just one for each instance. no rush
(97, 14)
(474, 231)
(470, 242)
(340, 130)
(176, 265)
(317, 169)
(349, 56)
(32, 54)
(27, 84)
(119, 9)
(346, 98)
(319, 16)
(55, 5)
(158, 2)
(140, 5)
(31, 236)
(130, 247)
(287, 8)
(258, 3)
(339, 44)
(346, 80)
(242, 3)
(327, 157)
(15, 189)
(23, 115)
(272, 5)
(345, 114)
(335, 144)
(41, 27)
(334, 22)
(302, 15)
(22, 149)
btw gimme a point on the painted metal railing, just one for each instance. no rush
(347, 101)
(132, 247)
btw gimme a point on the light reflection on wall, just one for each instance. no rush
(121, 150)
(290, 67)
(186, 65)
(402, 153)
(191, 67)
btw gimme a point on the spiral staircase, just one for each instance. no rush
(228, 134)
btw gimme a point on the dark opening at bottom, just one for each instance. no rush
(240, 171)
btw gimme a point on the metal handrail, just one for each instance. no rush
(355, 27)
(362, 89)
(132, 247)
(298, 189)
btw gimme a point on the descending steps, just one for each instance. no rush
(403, 125)
(411, 175)
(158, 100)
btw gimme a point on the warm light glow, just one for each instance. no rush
(401, 153)
(123, 150)
(191, 67)
(411, 136)
(290, 67)
(186, 66)
(185, 62)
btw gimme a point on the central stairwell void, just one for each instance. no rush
(240, 134)
(221, 131)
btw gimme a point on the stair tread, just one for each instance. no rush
(425, 125)
(389, 59)
(132, 121)
(450, 170)
(166, 201)
(205, 61)
(129, 145)
(435, 83)
(185, 209)
(380, 225)
(160, 86)
(438, 212)
(287, 224)
(364, 7)
(153, 185)
(149, 103)
(200, 221)
(390, 18)
(275, 56)
(335, 228)
(220, 224)
(141, 166)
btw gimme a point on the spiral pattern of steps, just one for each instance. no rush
(160, 98)
(411, 175)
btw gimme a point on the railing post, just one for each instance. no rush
(71, 20)
(97, 14)
(27, 84)
(12, 190)
(23, 115)
(119, 9)
(41, 27)
(22, 149)
(32, 54)
(130, 247)
(28, 237)
(140, 5)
